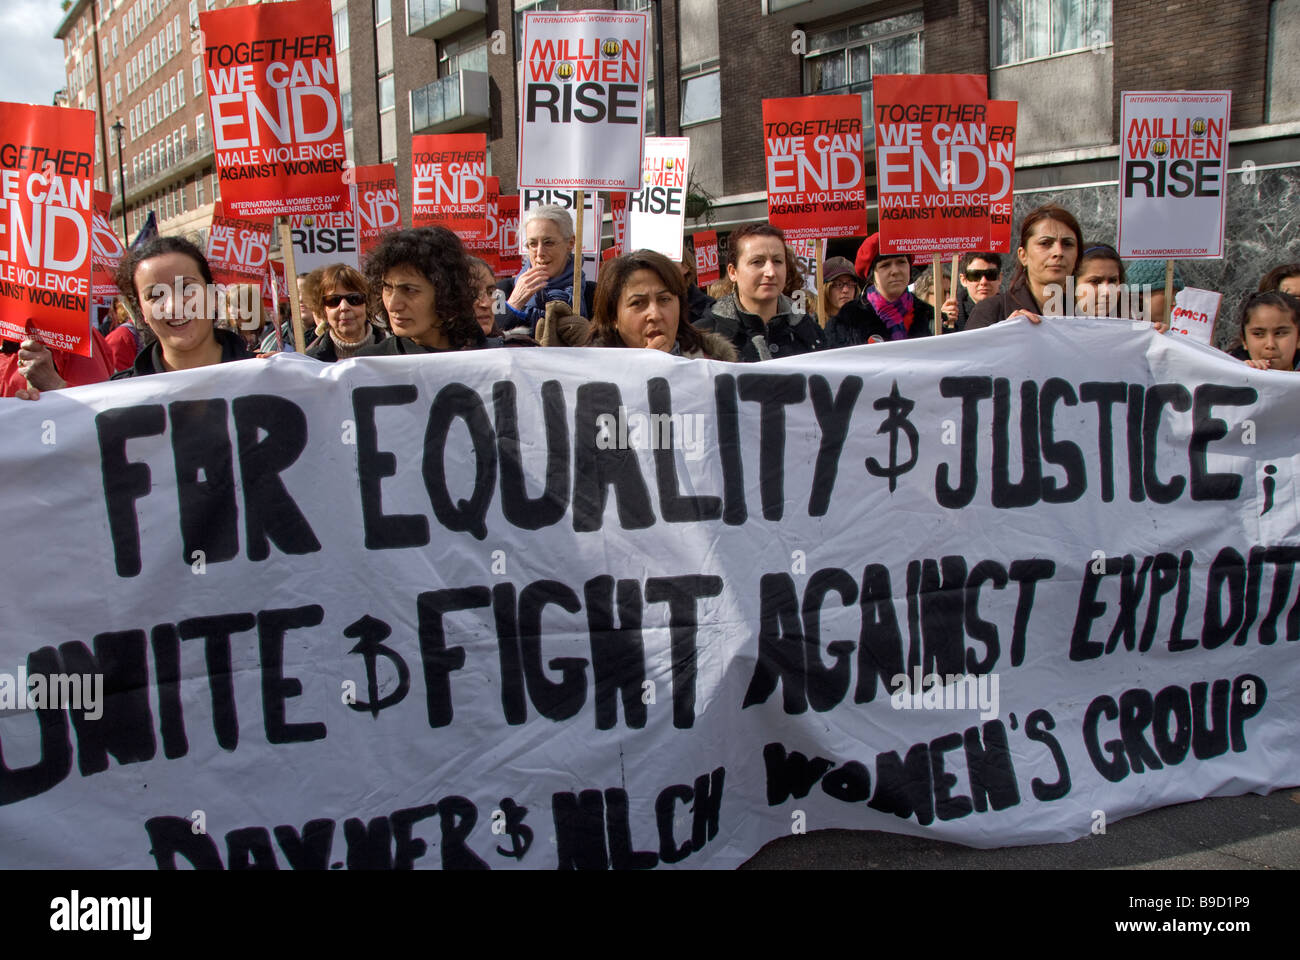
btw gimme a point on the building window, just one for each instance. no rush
(194, 11)
(383, 11)
(387, 99)
(346, 100)
(114, 35)
(843, 59)
(200, 123)
(701, 97)
(198, 190)
(198, 77)
(341, 30)
(471, 58)
(1027, 29)
(525, 7)
(180, 89)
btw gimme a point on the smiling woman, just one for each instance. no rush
(169, 284)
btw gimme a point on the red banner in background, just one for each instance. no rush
(509, 262)
(238, 247)
(487, 245)
(1002, 172)
(378, 210)
(618, 221)
(273, 95)
(447, 182)
(706, 257)
(816, 177)
(106, 249)
(932, 175)
(46, 165)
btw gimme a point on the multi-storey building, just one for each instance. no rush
(136, 63)
(440, 66)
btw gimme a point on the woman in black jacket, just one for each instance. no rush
(427, 293)
(169, 284)
(340, 296)
(885, 310)
(1050, 241)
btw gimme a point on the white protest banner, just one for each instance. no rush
(320, 239)
(1194, 313)
(583, 97)
(1173, 171)
(656, 214)
(622, 602)
(593, 208)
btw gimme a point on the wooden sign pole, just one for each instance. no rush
(936, 264)
(821, 313)
(291, 282)
(579, 208)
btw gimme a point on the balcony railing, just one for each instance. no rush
(168, 164)
(435, 19)
(451, 103)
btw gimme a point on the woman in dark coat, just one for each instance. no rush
(885, 310)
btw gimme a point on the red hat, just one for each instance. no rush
(867, 256)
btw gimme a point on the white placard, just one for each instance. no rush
(1194, 313)
(1173, 173)
(593, 207)
(656, 214)
(582, 118)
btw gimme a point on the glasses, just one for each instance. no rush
(990, 274)
(844, 282)
(353, 299)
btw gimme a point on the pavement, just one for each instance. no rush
(1249, 832)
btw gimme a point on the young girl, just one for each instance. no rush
(1097, 281)
(1270, 326)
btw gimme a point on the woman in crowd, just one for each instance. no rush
(923, 289)
(1270, 326)
(1098, 278)
(423, 277)
(123, 339)
(1050, 241)
(548, 267)
(839, 286)
(757, 318)
(886, 310)
(341, 298)
(483, 287)
(244, 313)
(699, 301)
(1285, 277)
(185, 328)
(641, 301)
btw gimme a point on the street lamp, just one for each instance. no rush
(118, 127)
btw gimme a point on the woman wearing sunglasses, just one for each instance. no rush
(341, 297)
(981, 278)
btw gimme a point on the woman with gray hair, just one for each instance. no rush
(548, 268)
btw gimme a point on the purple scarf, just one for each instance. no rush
(897, 315)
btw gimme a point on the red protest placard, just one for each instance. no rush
(378, 211)
(273, 94)
(46, 164)
(105, 248)
(509, 262)
(618, 220)
(238, 247)
(816, 177)
(447, 188)
(932, 162)
(486, 246)
(706, 257)
(1002, 172)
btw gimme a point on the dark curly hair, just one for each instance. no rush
(157, 247)
(614, 275)
(436, 253)
(1273, 279)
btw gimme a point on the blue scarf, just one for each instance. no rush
(557, 288)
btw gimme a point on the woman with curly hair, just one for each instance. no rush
(427, 296)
